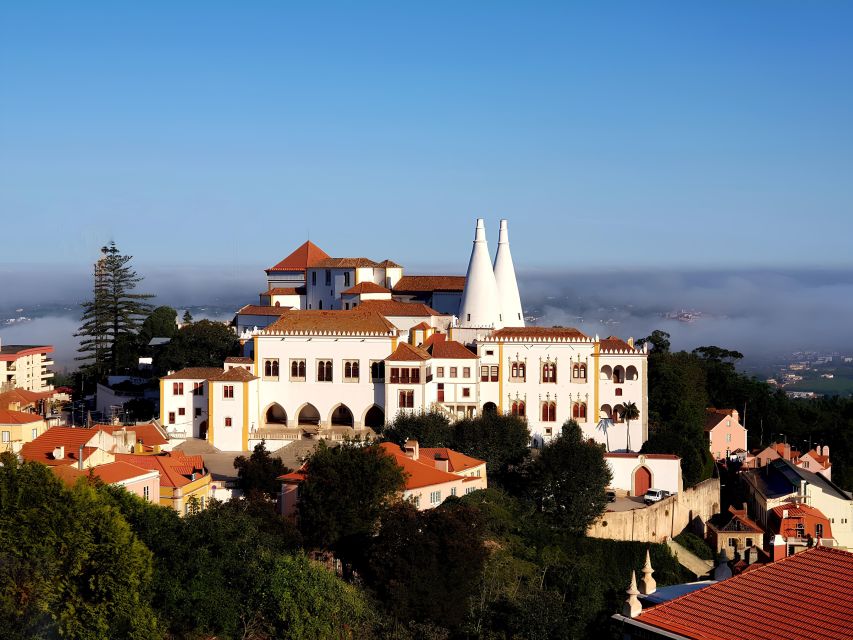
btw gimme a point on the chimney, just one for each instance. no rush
(632, 607)
(80, 458)
(826, 451)
(779, 547)
(411, 449)
(510, 301)
(442, 464)
(480, 306)
(647, 584)
(59, 452)
(803, 485)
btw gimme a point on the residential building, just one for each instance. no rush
(817, 460)
(136, 480)
(734, 533)
(725, 432)
(184, 480)
(793, 528)
(18, 428)
(25, 366)
(806, 595)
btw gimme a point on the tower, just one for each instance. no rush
(510, 301)
(480, 306)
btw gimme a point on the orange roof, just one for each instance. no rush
(713, 417)
(147, 434)
(450, 350)
(18, 417)
(194, 373)
(174, 470)
(24, 397)
(305, 256)
(541, 334)
(821, 460)
(118, 471)
(361, 320)
(616, 344)
(397, 308)
(418, 474)
(41, 449)
(457, 462)
(390, 264)
(261, 310)
(239, 360)
(421, 326)
(284, 291)
(805, 596)
(345, 263)
(424, 284)
(408, 353)
(366, 287)
(234, 374)
(68, 473)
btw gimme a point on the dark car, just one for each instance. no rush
(611, 496)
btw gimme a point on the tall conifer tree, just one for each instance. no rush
(113, 314)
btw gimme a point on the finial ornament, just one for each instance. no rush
(632, 607)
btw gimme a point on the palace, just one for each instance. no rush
(337, 346)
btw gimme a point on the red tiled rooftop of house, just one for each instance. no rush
(69, 474)
(542, 334)
(307, 255)
(285, 291)
(18, 417)
(450, 350)
(426, 284)
(361, 320)
(365, 287)
(345, 263)
(713, 417)
(119, 471)
(408, 353)
(174, 470)
(612, 343)
(262, 310)
(397, 308)
(23, 397)
(805, 596)
(148, 434)
(457, 462)
(421, 326)
(238, 360)
(41, 449)
(421, 472)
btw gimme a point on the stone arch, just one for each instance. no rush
(606, 411)
(631, 373)
(618, 374)
(641, 480)
(308, 415)
(618, 412)
(275, 415)
(341, 416)
(606, 372)
(490, 407)
(374, 417)
(202, 430)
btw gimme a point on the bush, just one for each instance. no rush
(695, 545)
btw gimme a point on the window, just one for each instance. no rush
(320, 304)
(733, 543)
(618, 391)
(466, 392)
(177, 388)
(324, 370)
(517, 408)
(228, 391)
(494, 371)
(171, 417)
(729, 438)
(198, 412)
(453, 491)
(35, 433)
(518, 372)
(182, 411)
(801, 530)
(350, 370)
(407, 399)
(328, 277)
(549, 372)
(271, 368)
(484, 374)
(466, 372)
(452, 372)
(439, 372)
(579, 411)
(228, 422)
(416, 376)
(490, 352)
(146, 493)
(7, 436)
(469, 490)
(749, 542)
(818, 530)
(346, 279)
(579, 372)
(416, 500)
(395, 375)
(434, 497)
(297, 370)
(549, 412)
(377, 371)
(198, 388)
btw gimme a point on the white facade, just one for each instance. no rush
(25, 367)
(664, 471)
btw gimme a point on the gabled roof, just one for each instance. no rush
(41, 449)
(418, 474)
(238, 360)
(24, 397)
(119, 471)
(540, 334)
(427, 284)
(18, 417)
(359, 321)
(739, 522)
(798, 511)
(390, 264)
(805, 596)
(400, 309)
(234, 374)
(457, 462)
(821, 460)
(345, 263)
(69, 474)
(450, 350)
(307, 255)
(261, 310)
(285, 291)
(194, 373)
(148, 434)
(781, 478)
(423, 325)
(365, 287)
(713, 417)
(408, 353)
(174, 469)
(618, 345)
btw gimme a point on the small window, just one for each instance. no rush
(228, 391)
(484, 374)
(466, 372)
(350, 370)
(324, 371)
(518, 408)
(490, 352)
(171, 417)
(346, 279)
(7, 436)
(407, 399)
(549, 372)
(749, 542)
(182, 411)
(453, 491)
(35, 433)
(466, 392)
(198, 412)
(198, 388)
(439, 372)
(549, 412)
(452, 372)
(146, 493)
(313, 278)
(177, 388)
(297, 370)
(328, 277)
(228, 422)
(495, 373)
(377, 371)
(271, 369)
(416, 500)
(435, 497)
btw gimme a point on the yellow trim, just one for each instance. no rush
(211, 389)
(596, 348)
(393, 344)
(450, 333)
(245, 416)
(500, 377)
(357, 281)
(162, 403)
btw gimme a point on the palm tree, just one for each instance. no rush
(604, 424)
(629, 412)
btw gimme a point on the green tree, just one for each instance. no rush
(501, 440)
(113, 314)
(201, 344)
(260, 471)
(347, 488)
(429, 429)
(658, 341)
(138, 410)
(629, 412)
(160, 323)
(187, 317)
(568, 479)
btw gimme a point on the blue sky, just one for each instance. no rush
(619, 134)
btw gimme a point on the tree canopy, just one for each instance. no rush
(200, 344)
(259, 472)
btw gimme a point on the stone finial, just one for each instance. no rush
(723, 571)
(632, 607)
(647, 584)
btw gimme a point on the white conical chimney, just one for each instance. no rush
(510, 304)
(480, 306)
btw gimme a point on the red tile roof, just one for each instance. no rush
(390, 264)
(359, 321)
(305, 256)
(345, 263)
(234, 374)
(69, 474)
(23, 397)
(805, 596)
(18, 417)
(118, 471)
(408, 353)
(613, 343)
(713, 417)
(419, 473)
(425, 284)
(285, 291)
(194, 373)
(11, 352)
(262, 310)
(457, 462)
(41, 449)
(238, 360)
(421, 326)
(174, 470)
(365, 287)
(540, 334)
(397, 308)
(450, 350)
(148, 434)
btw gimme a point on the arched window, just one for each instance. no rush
(514, 370)
(549, 412)
(324, 371)
(549, 372)
(294, 369)
(576, 371)
(582, 410)
(355, 369)
(348, 370)
(576, 410)
(544, 412)
(583, 371)
(275, 368)
(268, 368)
(514, 409)
(522, 369)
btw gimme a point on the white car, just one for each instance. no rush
(655, 495)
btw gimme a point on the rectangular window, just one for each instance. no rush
(466, 372)
(490, 352)
(733, 543)
(228, 422)
(313, 278)
(351, 371)
(453, 491)
(818, 530)
(484, 374)
(177, 388)
(495, 374)
(198, 388)
(439, 372)
(346, 279)
(377, 371)
(452, 372)
(198, 412)
(395, 375)
(801, 530)
(749, 542)
(182, 411)
(7, 436)
(145, 493)
(35, 433)
(328, 277)
(228, 391)
(407, 399)
(416, 500)
(728, 437)
(466, 392)
(435, 497)
(171, 417)
(416, 376)
(618, 391)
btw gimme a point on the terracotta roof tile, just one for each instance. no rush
(805, 596)
(408, 353)
(194, 373)
(345, 263)
(173, 469)
(401, 309)
(421, 326)
(234, 374)
(148, 434)
(239, 360)
(41, 449)
(457, 462)
(426, 284)
(418, 473)
(358, 321)
(69, 474)
(613, 343)
(450, 350)
(18, 417)
(285, 291)
(365, 287)
(305, 256)
(541, 334)
(390, 264)
(713, 417)
(119, 471)
(261, 310)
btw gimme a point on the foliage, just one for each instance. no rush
(695, 545)
(200, 344)
(70, 565)
(430, 429)
(567, 480)
(346, 489)
(658, 341)
(111, 318)
(629, 412)
(160, 323)
(139, 410)
(260, 471)
(187, 317)
(425, 565)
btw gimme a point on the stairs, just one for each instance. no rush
(447, 413)
(689, 560)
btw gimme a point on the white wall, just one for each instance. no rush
(666, 472)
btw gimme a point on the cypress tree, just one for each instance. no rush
(113, 314)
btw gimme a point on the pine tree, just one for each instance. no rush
(188, 317)
(113, 314)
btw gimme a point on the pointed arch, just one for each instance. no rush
(341, 416)
(308, 415)
(374, 417)
(275, 414)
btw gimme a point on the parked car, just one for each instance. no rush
(611, 496)
(655, 495)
